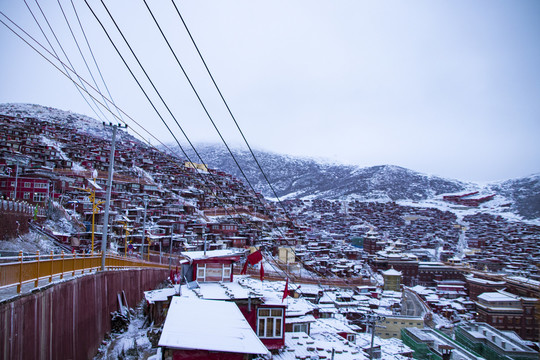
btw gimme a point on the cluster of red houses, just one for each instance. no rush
(468, 199)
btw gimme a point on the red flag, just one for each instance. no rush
(255, 257)
(286, 290)
(244, 269)
(252, 259)
(262, 272)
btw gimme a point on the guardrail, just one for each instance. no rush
(20, 207)
(23, 269)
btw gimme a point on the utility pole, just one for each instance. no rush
(16, 178)
(170, 249)
(108, 198)
(371, 320)
(145, 199)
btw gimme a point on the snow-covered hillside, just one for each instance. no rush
(83, 123)
(294, 177)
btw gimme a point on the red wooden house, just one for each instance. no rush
(208, 329)
(266, 317)
(213, 266)
(29, 189)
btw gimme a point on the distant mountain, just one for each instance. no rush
(308, 178)
(294, 177)
(524, 194)
(305, 178)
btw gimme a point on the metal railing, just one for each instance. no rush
(22, 269)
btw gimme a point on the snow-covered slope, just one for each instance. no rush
(294, 177)
(47, 114)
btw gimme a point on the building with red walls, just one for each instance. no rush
(208, 329)
(30, 189)
(214, 281)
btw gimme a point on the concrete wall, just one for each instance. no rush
(69, 320)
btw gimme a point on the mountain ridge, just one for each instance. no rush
(308, 178)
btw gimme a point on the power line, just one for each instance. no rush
(79, 86)
(92, 54)
(56, 54)
(217, 197)
(75, 83)
(203, 106)
(151, 82)
(199, 98)
(228, 108)
(65, 54)
(79, 48)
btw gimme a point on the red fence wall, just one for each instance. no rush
(69, 320)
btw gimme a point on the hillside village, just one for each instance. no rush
(319, 275)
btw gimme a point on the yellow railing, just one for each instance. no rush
(21, 269)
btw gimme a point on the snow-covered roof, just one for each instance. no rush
(220, 291)
(298, 307)
(194, 324)
(161, 294)
(333, 325)
(497, 296)
(200, 255)
(392, 272)
(299, 345)
(94, 184)
(301, 319)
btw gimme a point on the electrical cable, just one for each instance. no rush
(229, 109)
(80, 51)
(202, 104)
(92, 54)
(65, 66)
(200, 100)
(95, 89)
(52, 47)
(151, 82)
(65, 54)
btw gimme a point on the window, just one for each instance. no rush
(40, 185)
(351, 338)
(27, 184)
(26, 196)
(201, 272)
(227, 272)
(39, 197)
(300, 328)
(270, 322)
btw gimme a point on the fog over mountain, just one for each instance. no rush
(306, 178)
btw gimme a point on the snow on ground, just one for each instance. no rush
(28, 243)
(132, 344)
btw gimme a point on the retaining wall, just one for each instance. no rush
(14, 217)
(68, 320)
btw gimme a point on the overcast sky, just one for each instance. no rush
(450, 88)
